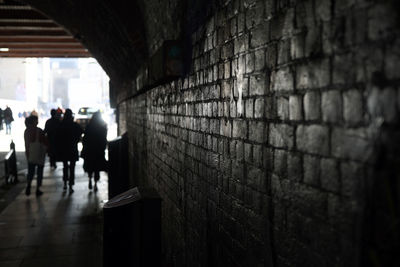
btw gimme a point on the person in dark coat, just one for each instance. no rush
(1, 118)
(50, 130)
(8, 118)
(68, 135)
(94, 143)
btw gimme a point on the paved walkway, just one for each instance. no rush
(55, 229)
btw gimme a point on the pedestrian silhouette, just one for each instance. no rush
(1, 118)
(50, 130)
(94, 143)
(35, 150)
(8, 119)
(68, 135)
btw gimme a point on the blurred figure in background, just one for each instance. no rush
(68, 135)
(50, 130)
(35, 150)
(94, 143)
(1, 118)
(8, 119)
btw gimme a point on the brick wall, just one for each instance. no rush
(277, 149)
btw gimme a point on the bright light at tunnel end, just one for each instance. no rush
(4, 49)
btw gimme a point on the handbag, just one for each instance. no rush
(37, 151)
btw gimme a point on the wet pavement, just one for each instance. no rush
(56, 229)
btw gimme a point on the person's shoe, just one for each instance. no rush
(39, 193)
(65, 186)
(28, 190)
(71, 190)
(90, 184)
(95, 186)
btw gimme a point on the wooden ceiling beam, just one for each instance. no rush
(43, 33)
(42, 45)
(37, 39)
(21, 14)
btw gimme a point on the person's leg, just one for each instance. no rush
(31, 172)
(65, 173)
(39, 180)
(90, 173)
(71, 175)
(96, 178)
(52, 161)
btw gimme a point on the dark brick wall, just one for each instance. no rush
(279, 147)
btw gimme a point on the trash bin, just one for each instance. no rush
(118, 171)
(132, 229)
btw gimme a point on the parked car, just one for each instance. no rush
(84, 115)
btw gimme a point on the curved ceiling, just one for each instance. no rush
(110, 31)
(24, 32)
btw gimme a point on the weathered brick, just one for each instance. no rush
(259, 105)
(313, 75)
(382, 103)
(313, 139)
(351, 144)
(311, 166)
(352, 179)
(259, 60)
(330, 175)
(239, 129)
(283, 108)
(353, 107)
(331, 106)
(249, 108)
(281, 135)
(282, 80)
(280, 163)
(297, 46)
(257, 131)
(312, 105)
(294, 164)
(295, 108)
(259, 84)
(260, 35)
(250, 61)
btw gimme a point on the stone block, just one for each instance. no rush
(259, 84)
(313, 139)
(352, 179)
(250, 61)
(353, 107)
(259, 108)
(259, 60)
(257, 131)
(280, 163)
(241, 44)
(315, 74)
(330, 175)
(281, 136)
(295, 170)
(239, 129)
(249, 108)
(352, 144)
(331, 106)
(282, 104)
(383, 103)
(283, 51)
(282, 80)
(311, 167)
(297, 44)
(260, 35)
(295, 107)
(312, 105)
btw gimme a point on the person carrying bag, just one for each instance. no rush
(35, 148)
